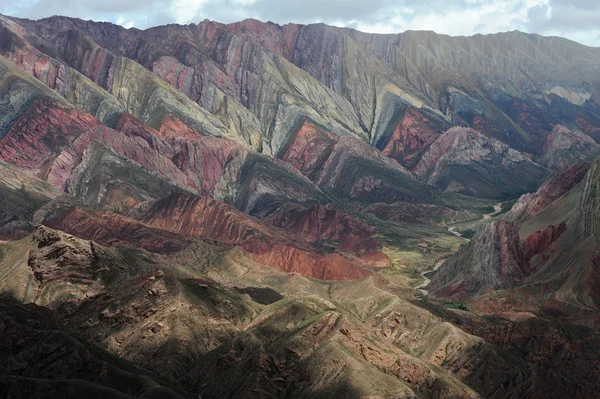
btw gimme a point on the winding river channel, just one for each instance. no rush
(487, 216)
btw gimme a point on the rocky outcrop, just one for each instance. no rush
(40, 361)
(323, 224)
(463, 160)
(564, 147)
(112, 229)
(411, 138)
(66, 267)
(218, 223)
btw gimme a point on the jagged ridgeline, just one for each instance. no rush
(254, 210)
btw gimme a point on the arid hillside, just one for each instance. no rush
(300, 211)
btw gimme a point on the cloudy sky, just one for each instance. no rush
(575, 19)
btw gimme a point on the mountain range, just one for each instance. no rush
(301, 211)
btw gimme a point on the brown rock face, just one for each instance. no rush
(540, 241)
(540, 253)
(66, 265)
(411, 138)
(112, 229)
(310, 150)
(217, 222)
(320, 223)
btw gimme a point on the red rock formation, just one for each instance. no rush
(320, 223)
(173, 127)
(44, 127)
(558, 184)
(202, 158)
(540, 241)
(413, 135)
(331, 267)
(51, 138)
(135, 149)
(337, 267)
(108, 228)
(309, 150)
(210, 219)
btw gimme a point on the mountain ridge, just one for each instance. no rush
(248, 210)
(254, 20)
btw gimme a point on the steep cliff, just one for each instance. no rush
(544, 249)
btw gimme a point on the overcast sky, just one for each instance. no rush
(575, 19)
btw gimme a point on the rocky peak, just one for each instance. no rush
(464, 160)
(564, 147)
(65, 266)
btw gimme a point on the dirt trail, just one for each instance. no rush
(453, 231)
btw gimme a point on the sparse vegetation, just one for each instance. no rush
(468, 234)
(507, 206)
(456, 305)
(486, 209)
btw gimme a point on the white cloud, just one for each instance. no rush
(121, 21)
(480, 17)
(185, 11)
(574, 19)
